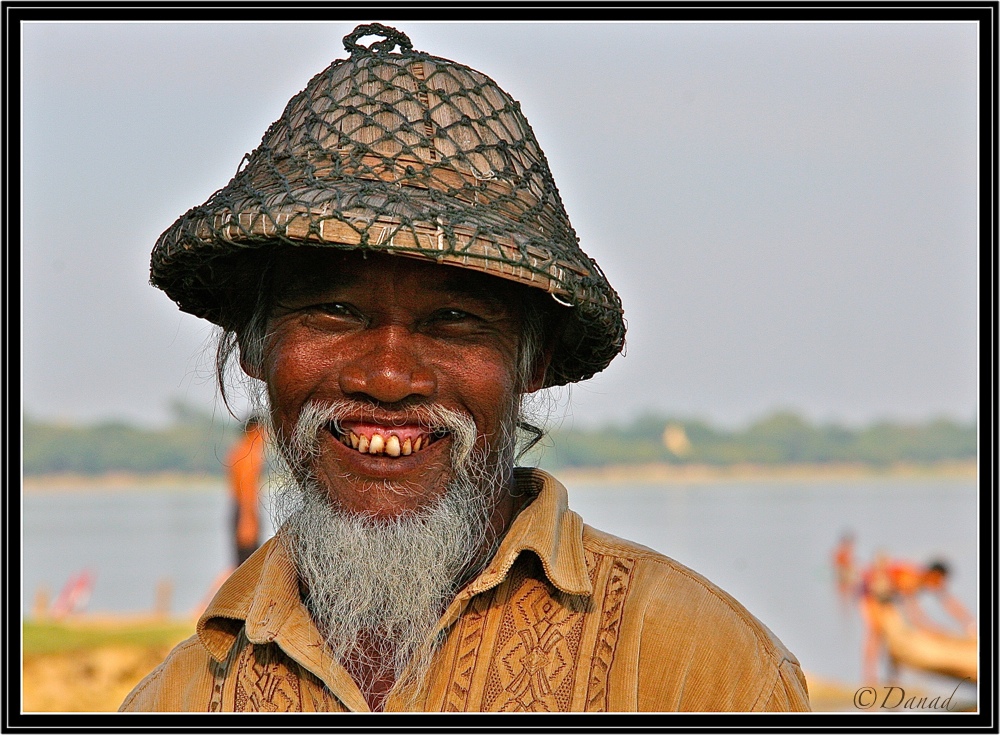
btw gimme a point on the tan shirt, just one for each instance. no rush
(564, 618)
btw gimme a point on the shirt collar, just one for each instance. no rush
(546, 527)
(264, 591)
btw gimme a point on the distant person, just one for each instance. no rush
(395, 267)
(74, 595)
(889, 582)
(844, 565)
(245, 468)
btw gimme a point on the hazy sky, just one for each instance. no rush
(788, 210)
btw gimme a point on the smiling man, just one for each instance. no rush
(395, 271)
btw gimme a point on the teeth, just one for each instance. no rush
(392, 447)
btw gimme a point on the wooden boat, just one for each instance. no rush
(939, 653)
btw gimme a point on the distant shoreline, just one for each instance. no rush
(123, 481)
(612, 475)
(662, 473)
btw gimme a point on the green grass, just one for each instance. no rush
(60, 638)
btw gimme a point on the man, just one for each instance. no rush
(245, 465)
(892, 586)
(844, 565)
(394, 268)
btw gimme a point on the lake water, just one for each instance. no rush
(768, 543)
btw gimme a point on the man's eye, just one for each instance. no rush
(336, 309)
(451, 315)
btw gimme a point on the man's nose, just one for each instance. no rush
(388, 367)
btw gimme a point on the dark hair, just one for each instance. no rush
(939, 566)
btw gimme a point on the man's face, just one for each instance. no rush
(389, 335)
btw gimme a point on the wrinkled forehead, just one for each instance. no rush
(300, 271)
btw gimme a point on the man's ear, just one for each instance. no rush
(541, 368)
(251, 368)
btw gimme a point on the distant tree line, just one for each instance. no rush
(194, 443)
(781, 438)
(197, 443)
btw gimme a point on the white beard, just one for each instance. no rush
(376, 587)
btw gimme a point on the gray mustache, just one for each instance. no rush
(316, 415)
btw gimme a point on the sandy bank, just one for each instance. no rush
(684, 474)
(660, 473)
(91, 663)
(119, 481)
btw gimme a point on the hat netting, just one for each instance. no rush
(404, 153)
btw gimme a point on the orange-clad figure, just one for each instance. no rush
(245, 465)
(844, 566)
(888, 586)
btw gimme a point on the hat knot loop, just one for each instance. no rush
(392, 38)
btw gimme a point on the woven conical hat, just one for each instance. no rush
(410, 154)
